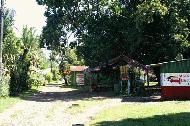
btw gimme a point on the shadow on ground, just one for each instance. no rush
(80, 93)
(156, 98)
(73, 95)
(178, 119)
(143, 99)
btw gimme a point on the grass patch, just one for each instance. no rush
(171, 113)
(52, 110)
(16, 113)
(74, 109)
(6, 102)
(81, 105)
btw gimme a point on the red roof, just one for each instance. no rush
(78, 68)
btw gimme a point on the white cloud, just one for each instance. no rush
(28, 12)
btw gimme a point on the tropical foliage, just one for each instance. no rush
(149, 31)
(22, 59)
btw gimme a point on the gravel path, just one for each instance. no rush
(48, 107)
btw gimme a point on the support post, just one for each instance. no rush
(1, 37)
(148, 79)
(129, 87)
(51, 60)
(121, 86)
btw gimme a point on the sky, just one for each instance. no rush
(29, 13)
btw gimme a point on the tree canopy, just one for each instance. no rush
(149, 31)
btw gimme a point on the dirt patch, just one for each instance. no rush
(48, 107)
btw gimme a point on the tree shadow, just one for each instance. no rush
(80, 93)
(143, 99)
(67, 96)
(156, 98)
(177, 119)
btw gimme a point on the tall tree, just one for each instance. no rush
(149, 31)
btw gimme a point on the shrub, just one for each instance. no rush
(4, 85)
(49, 77)
(56, 75)
(19, 75)
(36, 79)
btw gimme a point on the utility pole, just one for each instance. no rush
(1, 37)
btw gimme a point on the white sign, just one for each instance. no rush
(80, 79)
(175, 79)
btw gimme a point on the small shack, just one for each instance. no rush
(174, 79)
(114, 74)
(77, 74)
(127, 79)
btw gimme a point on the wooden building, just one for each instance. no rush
(117, 69)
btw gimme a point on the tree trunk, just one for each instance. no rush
(66, 83)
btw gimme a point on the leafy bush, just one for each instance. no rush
(44, 65)
(36, 79)
(56, 75)
(4, 85)
(49, 77)
(19, 75)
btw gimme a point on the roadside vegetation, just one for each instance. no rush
(144, 31)
(24, 62)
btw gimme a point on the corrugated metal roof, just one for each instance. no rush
(127, 60)
(78, 68)
(159, 64)
(182, 66)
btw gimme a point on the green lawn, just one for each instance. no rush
(170, 113)
(81, 105)
(6, 102)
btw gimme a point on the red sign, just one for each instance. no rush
(175, 79)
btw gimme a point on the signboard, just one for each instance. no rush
(175, 79)
(80, 79)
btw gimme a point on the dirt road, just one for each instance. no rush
(50, 108)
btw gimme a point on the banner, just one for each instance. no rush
(175, 79)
